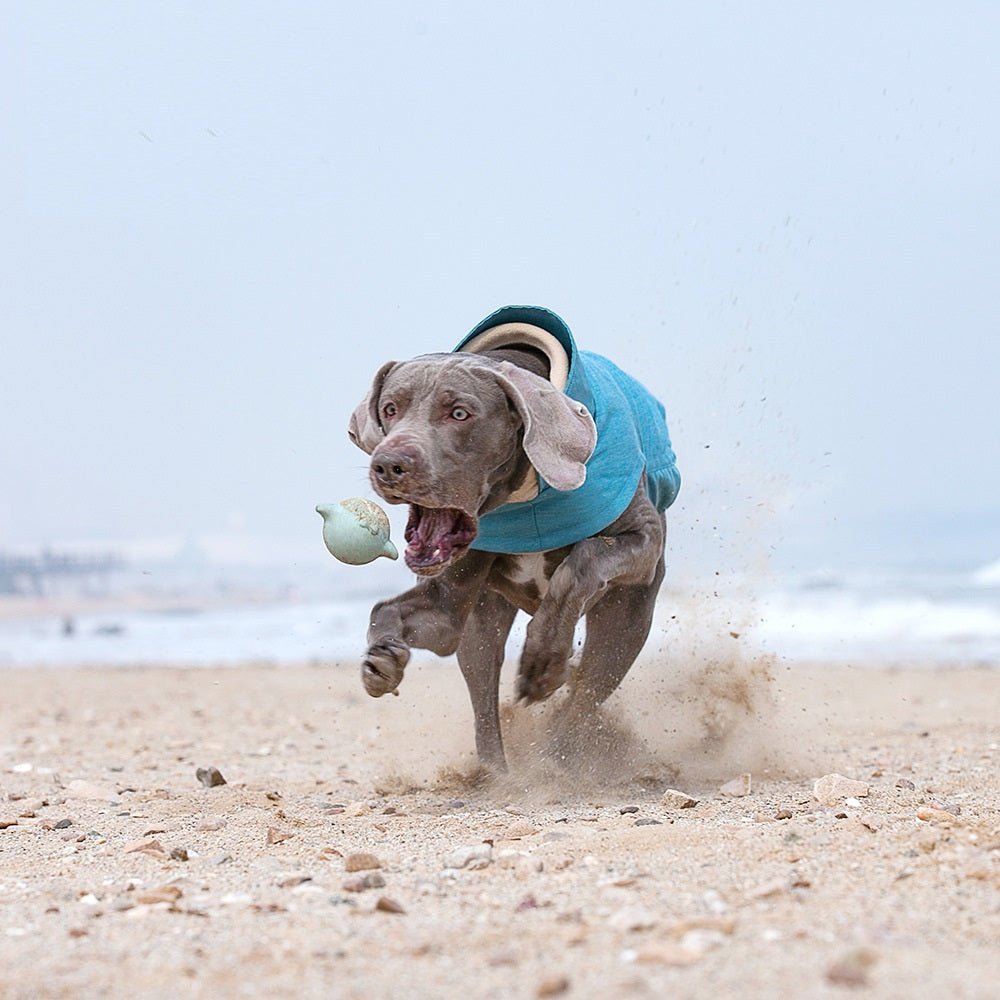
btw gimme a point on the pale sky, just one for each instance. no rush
(220, 219)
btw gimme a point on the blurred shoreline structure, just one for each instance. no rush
(58, 573)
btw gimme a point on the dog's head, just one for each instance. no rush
(454, 435)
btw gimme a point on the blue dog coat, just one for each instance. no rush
(632, 437)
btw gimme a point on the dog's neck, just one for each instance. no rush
(536, 350)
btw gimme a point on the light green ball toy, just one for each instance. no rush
(356, 531)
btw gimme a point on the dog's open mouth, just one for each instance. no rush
(435, 536)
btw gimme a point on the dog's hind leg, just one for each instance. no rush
(617, 628)
(480, 655)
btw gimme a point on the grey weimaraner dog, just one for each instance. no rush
(464, 439)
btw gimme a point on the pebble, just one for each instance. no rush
(673, 798)
(518, 831)
(648, 822)
(359, 883)
(552, 986)
(521, 863)
(161, 894)
(663, 953)
(628, 809)
(772, 887)
(832, 788)
(906, 784)
(210, 777)
(361, 862)
(387, 905)
(78, 789)
(152, 848)
(5, 823)
(783, 814)
(211, 825)
(475, 856)
(701, 940)
(633, 918)
(276, 836)
(738, 787)
(292, 880)
(718, 925)
(931, 815)
(63, 824)
(852, 968)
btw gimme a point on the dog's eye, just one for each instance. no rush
(459, 413)
(389, 410)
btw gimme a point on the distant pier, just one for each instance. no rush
(48, 571)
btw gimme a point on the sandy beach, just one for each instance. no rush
(355, 852)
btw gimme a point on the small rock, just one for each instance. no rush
(770, 888)
(210, 777)
(78, 789)
(292, 880)
(387, 905)
(783, 814)
(701, 940)
(628, 809)
(832, 788)
(931, 815)
(211, 824)
(633, 918)
(7, 822)
(552, 986)
(361, 862)
(906, 784)
(162, 894)
(276, 836)
(63, 824)
(179, 854)
(502, 957)
(738, 787)
(852, 968)
(719, 925)
(518, 831)
(474, 856)
(359, 883)
(675, 799)
(357, 809)
(648, 822)
(152, 848)
(665, 953)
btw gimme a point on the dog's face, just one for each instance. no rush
(452, 434)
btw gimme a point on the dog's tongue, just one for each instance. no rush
(433, 534)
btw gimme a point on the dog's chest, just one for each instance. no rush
(524, 579)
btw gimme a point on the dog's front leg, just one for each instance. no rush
(625, 554)
(429, 616)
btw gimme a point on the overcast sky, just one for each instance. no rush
(219, 220)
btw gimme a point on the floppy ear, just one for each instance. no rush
(559, 432)
(364, 428)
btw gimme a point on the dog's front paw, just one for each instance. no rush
(383, 666)
(544, 669)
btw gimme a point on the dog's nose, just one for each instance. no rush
(393, 468)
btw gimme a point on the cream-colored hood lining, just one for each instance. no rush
(525, 335)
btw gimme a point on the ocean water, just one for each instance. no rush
(907, 618)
